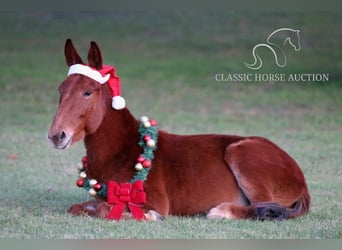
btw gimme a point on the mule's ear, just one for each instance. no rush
(71, 55)
(94, 56)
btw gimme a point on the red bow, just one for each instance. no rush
(120, 194)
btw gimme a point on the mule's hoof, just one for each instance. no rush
(222, 211)
(214, 214)
(86, 208)
(152, 215)
(102, 210)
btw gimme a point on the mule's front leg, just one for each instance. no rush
(85, 208)
(96, 209)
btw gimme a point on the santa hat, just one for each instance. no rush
(106, 74)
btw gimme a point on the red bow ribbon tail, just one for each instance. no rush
(138, 200)
(119, 195)
(115, 197)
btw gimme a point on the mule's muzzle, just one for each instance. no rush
(60, 140)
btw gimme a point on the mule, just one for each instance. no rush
(220, 176)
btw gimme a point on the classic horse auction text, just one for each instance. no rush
(276, 77)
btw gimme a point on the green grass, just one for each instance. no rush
(167, 64)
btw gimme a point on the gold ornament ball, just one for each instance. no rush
(147, 124)
(92, 192)
(151, 143)
(92, 182)
(83, 175)
(138, 167)
(144, 119)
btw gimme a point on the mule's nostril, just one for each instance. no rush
(62, 136)
(61, 139)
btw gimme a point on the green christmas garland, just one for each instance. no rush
(148, 132)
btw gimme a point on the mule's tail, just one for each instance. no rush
(274, 211)
(261, 210)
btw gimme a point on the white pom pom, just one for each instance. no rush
(118, 102)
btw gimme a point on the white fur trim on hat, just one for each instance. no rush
(87, 71)
(118, 102)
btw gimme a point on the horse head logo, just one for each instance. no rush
(286, 35)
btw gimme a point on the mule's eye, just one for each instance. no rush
(87, 93)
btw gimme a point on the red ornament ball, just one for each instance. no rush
(84, 161)
(153, 122)
(80, 182)
(147, 163)
(140, 159)
(97, 187)
(147, 138)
